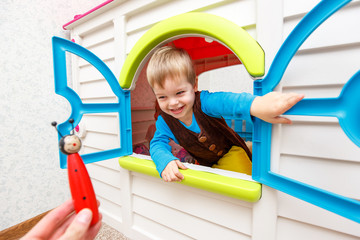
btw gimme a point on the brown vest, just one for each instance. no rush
(214, 140)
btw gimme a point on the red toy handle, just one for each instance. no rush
(81, 188)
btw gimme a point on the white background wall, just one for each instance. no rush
(31, 181)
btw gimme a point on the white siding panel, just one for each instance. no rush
(241, 13)
(137, 25)
(98, 36)
(305, 214)
(164, 11)
(101, 141)
(101, 100)
(339, 29)
(335, 176)
(231, 215)
(288, 229)
(107, 191)
(111, 164)
(105, 51)
(96, 89)
(88, 73)
(154, 230)
(111, 213)
(102, 123)
(133, 38)
(106, 176)
(292, 7)
(322, 70)
(319, 140)
(190, 225)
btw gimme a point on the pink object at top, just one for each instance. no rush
(79, 16)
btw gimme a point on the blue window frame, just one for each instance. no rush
(345, 108)
(122, 107)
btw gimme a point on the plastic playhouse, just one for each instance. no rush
(305, 175)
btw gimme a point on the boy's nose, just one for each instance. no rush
(173, 101)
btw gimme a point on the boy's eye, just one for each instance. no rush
(161, 97)
(179, 93)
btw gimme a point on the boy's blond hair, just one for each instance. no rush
(170, 62)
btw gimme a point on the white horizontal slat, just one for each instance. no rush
(96, 89)
(112, 213)
(237, 78)
(101, 100)
(293, 230)
(339, 29)
(230, 215)
(316, 91)
(101, 35)
(292, 8)
(184, 223)
(101, 141)
(133, 38)
(251, 30)
(153, 230)
(242, 13)
(322, 69)
(163, 11)
(319, 140)
(101, 123)
(108, 192)
(110, 163)
(104, 51)
(330, 224)
(335, 176)
(105, 175)
(88, 72)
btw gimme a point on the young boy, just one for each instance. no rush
(194, 119)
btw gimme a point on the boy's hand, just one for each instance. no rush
(270, 106)
(171, 172)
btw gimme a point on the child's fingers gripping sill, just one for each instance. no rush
(171, 172)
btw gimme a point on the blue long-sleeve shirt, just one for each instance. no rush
(218, 104)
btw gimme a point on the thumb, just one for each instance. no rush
(180, 165)
(282, 120)
(79, 226)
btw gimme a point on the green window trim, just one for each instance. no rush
(233, 36)
(228, 186)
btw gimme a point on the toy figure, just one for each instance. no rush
(81, 188)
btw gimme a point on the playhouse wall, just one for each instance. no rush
(313, 150)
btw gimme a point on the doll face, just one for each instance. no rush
(72, 144)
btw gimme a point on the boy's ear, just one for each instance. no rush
(196, 84)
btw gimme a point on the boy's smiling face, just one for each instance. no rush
(176, 98)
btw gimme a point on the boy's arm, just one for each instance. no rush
(160, 152)
(244, 105)
(227, 104)
(270, 106)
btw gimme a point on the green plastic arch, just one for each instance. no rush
(233, 36)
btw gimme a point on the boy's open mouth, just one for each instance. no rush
(177, 110)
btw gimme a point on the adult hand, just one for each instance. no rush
(62, 223)
(270, 106)
(171, 172)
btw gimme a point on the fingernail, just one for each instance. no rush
(84, 216)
